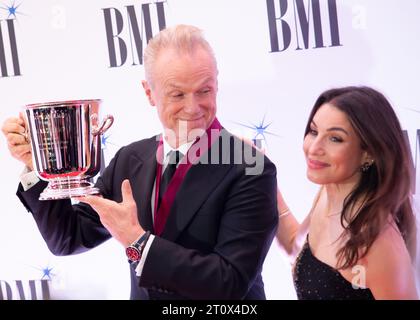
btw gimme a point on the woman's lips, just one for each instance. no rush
(316, 165)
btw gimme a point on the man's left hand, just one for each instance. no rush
(120, 219)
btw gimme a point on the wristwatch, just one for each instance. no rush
(135, 250)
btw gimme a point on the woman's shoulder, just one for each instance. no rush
(389, 271)
(389, 248)
(390, 238)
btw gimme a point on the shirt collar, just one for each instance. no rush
(182, 148)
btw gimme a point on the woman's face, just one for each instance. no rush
(332, 148)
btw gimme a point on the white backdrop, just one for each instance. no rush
(62, 54)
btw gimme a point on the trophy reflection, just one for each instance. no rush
(66, 145)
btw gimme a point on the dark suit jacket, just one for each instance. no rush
(216, 238)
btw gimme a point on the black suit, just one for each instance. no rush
(216, 238)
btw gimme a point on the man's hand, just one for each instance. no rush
(120, 219)
(15, 132)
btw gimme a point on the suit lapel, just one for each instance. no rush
(192, 195)
(198, 183)
(142, 178)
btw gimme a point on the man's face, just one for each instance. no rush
(183, 88)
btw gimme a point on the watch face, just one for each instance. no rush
(133, 254)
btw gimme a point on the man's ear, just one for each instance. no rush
(148, 92)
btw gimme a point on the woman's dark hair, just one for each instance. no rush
(385, 188)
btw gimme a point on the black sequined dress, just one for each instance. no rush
(316, 280)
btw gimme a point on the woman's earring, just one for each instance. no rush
(365, 167)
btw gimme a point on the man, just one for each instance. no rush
(206, 232)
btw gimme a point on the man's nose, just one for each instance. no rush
(191, 105)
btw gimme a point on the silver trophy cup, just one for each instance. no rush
(66, 145)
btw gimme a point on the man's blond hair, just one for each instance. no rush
(182, 38)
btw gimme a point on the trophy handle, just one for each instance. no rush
(106, 123)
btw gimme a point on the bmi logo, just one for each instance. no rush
(307, 20)
(25, 290)
(129, 30)
(9, 59)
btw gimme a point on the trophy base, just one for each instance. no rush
(65, 189)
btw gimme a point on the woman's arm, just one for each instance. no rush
(290, 233)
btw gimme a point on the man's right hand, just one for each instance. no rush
(18, 143)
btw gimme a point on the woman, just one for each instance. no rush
(356, 241)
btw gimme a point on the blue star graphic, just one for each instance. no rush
(105, 142)
(46, 273)
(260, 130)
(12, 9)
